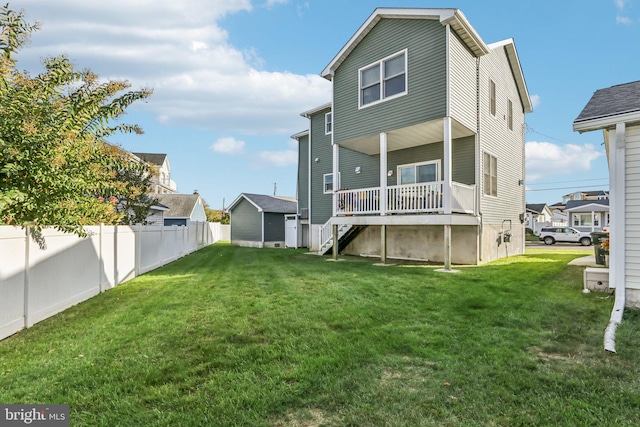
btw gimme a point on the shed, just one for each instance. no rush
(258, 220)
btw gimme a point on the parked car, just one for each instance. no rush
(551, 235)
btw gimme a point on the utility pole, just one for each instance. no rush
(275, 187)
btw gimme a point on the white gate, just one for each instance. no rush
(291, 231)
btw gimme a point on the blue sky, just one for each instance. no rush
(231, 77)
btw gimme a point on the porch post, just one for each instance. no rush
(336, 180)
(447, 247)
(593, 221)
(383, 173)
(336, 243)
(446, 166)
(383, 243)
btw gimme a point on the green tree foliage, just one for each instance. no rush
(215, 215)
(55, 168)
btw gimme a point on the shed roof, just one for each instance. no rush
(266, 203)
(619, 103)
(180, 205)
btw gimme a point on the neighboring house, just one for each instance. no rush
(538, 216)
(616, 111)
(182, 208)
(588, 215)
(260, 221)
(161, 180)
(586, 195)
(156, 214)
(420, 154)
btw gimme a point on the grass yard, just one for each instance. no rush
(255, 337)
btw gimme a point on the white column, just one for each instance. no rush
(446, 165)
(336, 179)
(593, 221)
(383, 173)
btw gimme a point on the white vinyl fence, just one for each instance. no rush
(37, 283)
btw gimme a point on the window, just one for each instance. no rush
(328, 123)
(510, 114)
(419, 172)
(584, 220)
(384, 79)
(327, 183)
(490, 173)
(492, 97)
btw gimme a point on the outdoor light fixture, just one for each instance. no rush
(317, 159)
(390, 173)
(358, 169)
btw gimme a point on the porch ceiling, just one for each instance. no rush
(411, 136)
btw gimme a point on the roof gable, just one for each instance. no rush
(587, 206)
(180, 205)
(512, 55)
(608, 106)
(453, 17)
(266, 203)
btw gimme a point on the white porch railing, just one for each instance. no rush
(422, 197)
(463, 198)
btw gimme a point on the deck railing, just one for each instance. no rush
(424, 197)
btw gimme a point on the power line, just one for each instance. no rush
(558, 188)
(577, 180)
(530, 129)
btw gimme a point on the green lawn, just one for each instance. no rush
(255, 337)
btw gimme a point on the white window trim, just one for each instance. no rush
(580, 215)
(415, 165)
(333, 184)
(483, 186)
(326, 116)
(381, 64)
(493, 99)
(510, 115)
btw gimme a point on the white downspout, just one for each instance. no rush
(617, 233)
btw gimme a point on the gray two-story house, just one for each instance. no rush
(420, 153)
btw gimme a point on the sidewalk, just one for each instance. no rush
(587, 261)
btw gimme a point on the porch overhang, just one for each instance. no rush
(407, 137)
(429, 219)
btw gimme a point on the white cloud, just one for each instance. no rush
(181, 50)
(623, 20)
(545, 158)
(535, 101)
(228, 145)
(278, 158)
(620, 4)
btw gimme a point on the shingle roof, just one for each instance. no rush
(611, 101)
(270, 203)
(180, 205)
(572, 204)
(536, 207)
(156, 159)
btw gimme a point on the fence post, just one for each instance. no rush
(27, 241)
(100, 258)
(138, 248)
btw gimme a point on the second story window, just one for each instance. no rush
(384, 79)
(490, 174)
(492, 97)
(328, 123)
(510, 114)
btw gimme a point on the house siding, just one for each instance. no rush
(369, 165)
(322, 150)
(303, 173)
(273, 227)
(463, 82)
(632, 208)
(496, 139)
(426, 98)
(246, 222)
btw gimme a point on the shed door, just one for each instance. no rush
(291, 231)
